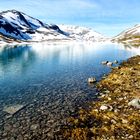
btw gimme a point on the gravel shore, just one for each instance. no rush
(116, 113)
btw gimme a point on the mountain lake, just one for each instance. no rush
(43, 84)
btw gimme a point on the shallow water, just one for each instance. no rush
(49, 81)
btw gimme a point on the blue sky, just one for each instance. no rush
(108, 17)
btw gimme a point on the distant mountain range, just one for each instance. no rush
(130, 36)
(16, 26)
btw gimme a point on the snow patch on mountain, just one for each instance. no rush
(17, 26)
(129, 33)
(130, 36)
(82, 33)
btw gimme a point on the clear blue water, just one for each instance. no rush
(50, 80)
(29, 73)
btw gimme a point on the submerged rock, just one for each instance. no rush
(110, 116)
(135, 103)
(12, 109)
(91, 80)
(115, 62)
(34, 126)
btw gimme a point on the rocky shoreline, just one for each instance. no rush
(116, 114)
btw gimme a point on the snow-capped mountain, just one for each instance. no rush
(82, 33)
(17, 26)
(131, 35)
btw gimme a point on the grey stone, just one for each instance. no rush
(34, 126)
(130, 137)
(12, 109)
(115, 62)
(91, 80)
(109, 64)
(103, 107)
(135, 103)
(104, 62)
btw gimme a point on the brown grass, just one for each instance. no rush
(119, 121)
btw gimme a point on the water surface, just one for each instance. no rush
(50, 80)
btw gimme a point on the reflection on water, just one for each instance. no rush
(15, 59)
(52, 78)
(24, 66)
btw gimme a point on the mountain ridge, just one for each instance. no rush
(18, 26)
(129, 36)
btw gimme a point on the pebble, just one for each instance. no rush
(113, 121)
(120, 99)
(118, 67)
(96, 110)
(121, 73)
(110, 108)
(115, 62)
(124, 121)
(34, 126)
(135, 103)
(102, 96)
(103, 107)
(12, 138)
(109, 98)
(130, 137)
(107, 91)
(20, 137)
(116, 110)
(125, 97)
